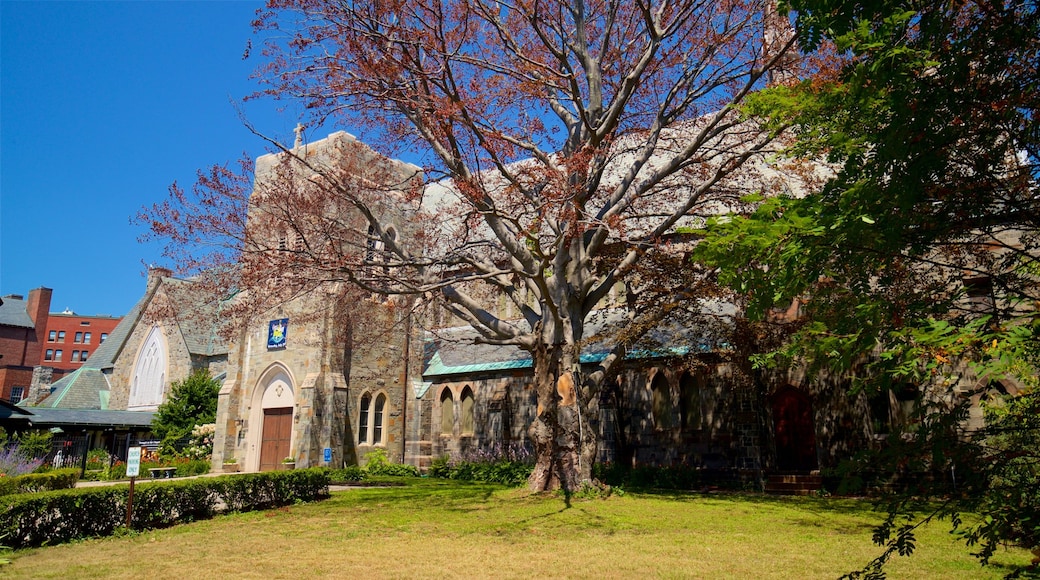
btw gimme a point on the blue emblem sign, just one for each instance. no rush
(328, 455)
(277, 330)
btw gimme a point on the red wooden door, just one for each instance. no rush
(795, 433)
(277, 435)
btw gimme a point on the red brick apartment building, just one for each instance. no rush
(22, 334)
(71, 338)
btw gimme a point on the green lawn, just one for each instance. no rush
(441, 529)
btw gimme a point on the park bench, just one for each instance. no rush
(162, 472)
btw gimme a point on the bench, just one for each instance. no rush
(162, 472)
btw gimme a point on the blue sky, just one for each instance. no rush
(102, 106)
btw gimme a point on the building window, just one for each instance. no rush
(78, 338)
(86, 338)
(149, 382)
(377, 420)
(57, 355)
(61, 336)
(366, 402)
(83, 355)
(662, 402)
(17, 393)
(84, 323)
(52, 335)
(75, 356)
(49, 355)
(466, 418)
(104, 335)
(447, 413)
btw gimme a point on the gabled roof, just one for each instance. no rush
(198, 317)
(88, 387)
(84, 388)
(14, 312)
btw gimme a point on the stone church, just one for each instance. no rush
(299, 386)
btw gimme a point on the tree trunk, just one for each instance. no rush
(564, 438)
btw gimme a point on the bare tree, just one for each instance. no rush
(567, 146)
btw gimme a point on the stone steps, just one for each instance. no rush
(793, 484)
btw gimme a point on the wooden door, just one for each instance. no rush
(795, 433)
(277, 435)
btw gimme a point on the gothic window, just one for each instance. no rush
(366, 403)
(377, 420)
(149, 373)
(690, 401)
(447, 413)
(466, 419)
(661, 401)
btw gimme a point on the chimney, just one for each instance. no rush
(39, 307)
(155, 275)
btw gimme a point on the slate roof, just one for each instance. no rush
(453, 351)
(90, 418)
(14, 312)
(197, 321)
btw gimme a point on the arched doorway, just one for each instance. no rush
(274, 412)
(794, 431)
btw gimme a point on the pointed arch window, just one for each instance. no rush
(466, 414)
(149, 373)
(662, 402)
(377, 419)
(447, 413)
(366, 404)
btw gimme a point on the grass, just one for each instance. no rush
(447, 529)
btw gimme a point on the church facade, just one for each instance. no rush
(301, 386)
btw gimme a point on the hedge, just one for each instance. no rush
(37, 482)
(28, 520)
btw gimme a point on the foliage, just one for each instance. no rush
(680, 477)
(200, 442)
(192, 402)
(346, 474)
(62, 516)
(377, 463)
(38, 482)
(916, 263)
(13, 461)
(563, 143)
(98, 458)
(510, 465)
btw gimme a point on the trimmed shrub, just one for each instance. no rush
(47, 481)
(61, 516)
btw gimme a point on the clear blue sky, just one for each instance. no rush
(102, 106)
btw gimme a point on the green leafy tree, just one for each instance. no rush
(192, 401)
(917, 261)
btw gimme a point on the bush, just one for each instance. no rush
(13, 462)
(60, 516)
(349, 473)
(504, 471)
(98, 459)
(49, 481)
(376, 463)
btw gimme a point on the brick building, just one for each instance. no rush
(71, 338)
(23, 326)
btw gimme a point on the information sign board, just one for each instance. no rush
(133, 462)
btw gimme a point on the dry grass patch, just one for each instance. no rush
(445, 529)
